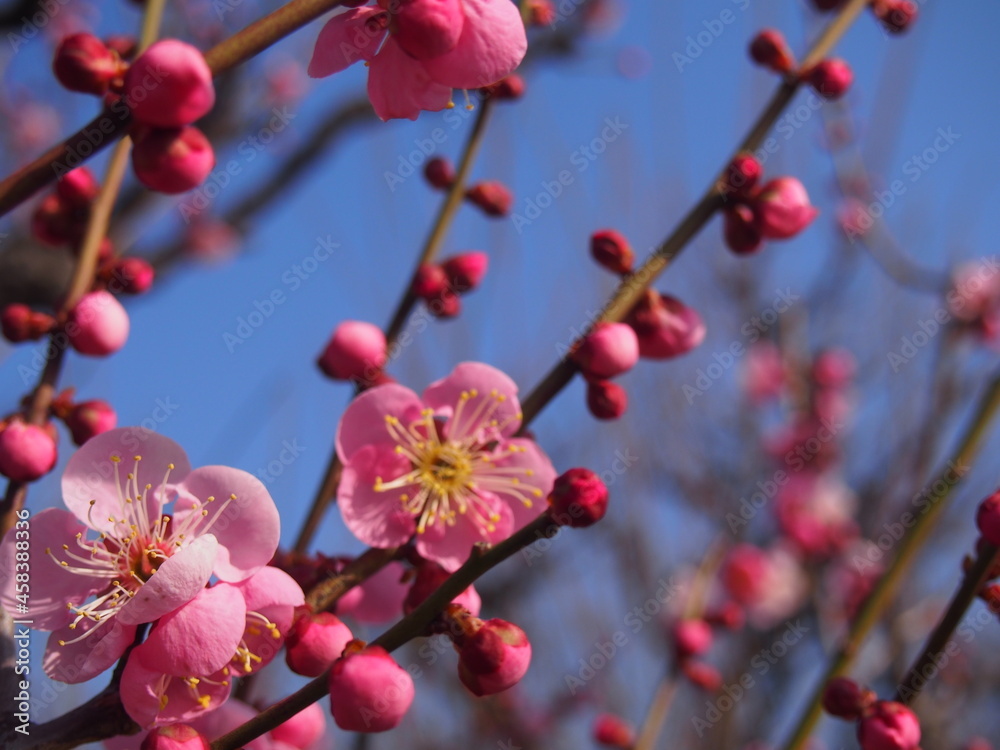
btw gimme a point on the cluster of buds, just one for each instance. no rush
(491, 197)
(658, 327)
(166, 89)
(831, 78)
(882, 725)
(97, 325)
(357, 352)
(777, 210)
(441, 284)
(83, 419)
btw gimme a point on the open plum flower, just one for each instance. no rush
(419, 50)
(446, 466)
(92, 591)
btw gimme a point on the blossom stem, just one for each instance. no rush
(328, 487)
(113, 122)
(412, 626)
(911, 543)
(633, 286)
(925, 664)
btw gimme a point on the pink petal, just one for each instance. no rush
(492, 45)
(270, 587)
(376, 518)
(449, 546)
(87, 658)
(347, 38)
(381, 596)
(51, 586)
(90, 473)
(398, 85)
(199, 637)
(363, 422)
(176, 582)
(141, 690)
(428, 28)
(247, 528)
(443, 396)
(533, 459)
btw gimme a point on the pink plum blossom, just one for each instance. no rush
(445, 466)
(144, 563)
(419, 50)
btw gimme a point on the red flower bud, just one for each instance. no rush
(20, 323)
(492, 197)
(739, 230)
(831, 78)
(988, 519)
(612, 250)
(510, 88)
(356, 351)
(133, 275)
(743, 174)
(781, 209)
(702, 675)
(890, 726)
(465, 271)
(57, 222)
(429, 577)
(439, 173)
(84, 63)
(691, 638)
(613, 731)
(90, 418)
(579, 498)
(78, 187)
(770, 50)
(845, 699)
(445, 305)
(666, 327)
(729, 615)
(430, 281)
(895, 15)
(606, 400)
(172, 160)
(494, 658)
(609, 350)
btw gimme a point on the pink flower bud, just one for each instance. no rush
(430, 281)
(78, 187)
(782, 208)
(27, 451)
(175, 737)
(770, 50)
(610, 349)
(613, 731)
(439, 173)
(666, 327)
(988, 519)
(356, 351)
(890, 726)
(466, 271)
(739, 230)
(57, 222)
(98, 325)
(606, 400)
(133, 275)
(492, 197)
(691, 638)
(20, 323)
(494, 658)
(84, 63)
(303, 730)
(895, 15)
(579, 498)
(510, 88)
(444, 305)
(745, 573)
(430, 576)
(743, 174)
(845, 699)
(315, 641)
(169, 85)
(369, 692)
(612, 250)
(831, 78)
(173, 160)
(90, 418)
(834, 368)
(702, 675)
